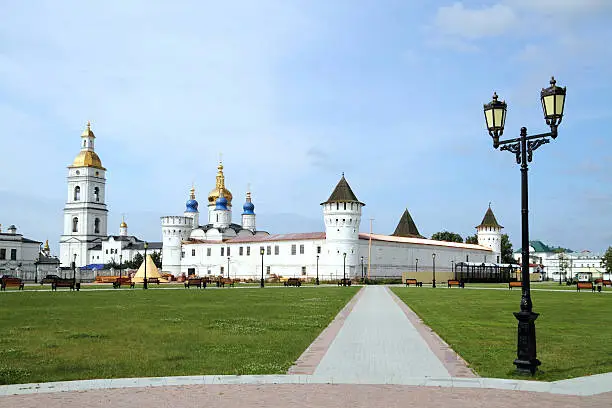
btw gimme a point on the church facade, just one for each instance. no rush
(221, 247)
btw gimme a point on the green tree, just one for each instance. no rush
(156, 257)
(506, 250)
(471, 239)
(111, 264)
(135, 262)
(447, 236)
(606, 260)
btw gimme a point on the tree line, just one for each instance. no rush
(506, 245)
(135, 262)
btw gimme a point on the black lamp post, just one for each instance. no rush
(344, 269)
(317, 281)
(416, 264)
(453, 269)
(228, 259)
(261, 251)
(120, 267)
(433, 259)
(74, 270)
(553, 102)
(362, 272)
(145, 286)
(560, 259)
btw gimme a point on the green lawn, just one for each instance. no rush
(52, 336)
(574, 330)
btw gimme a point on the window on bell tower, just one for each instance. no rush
(97, 226)
(75, 224)
(77, 193)
(97, 194)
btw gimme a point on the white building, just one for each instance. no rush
(85, 239)
(555, 265)
(24, 258)
(221, 247)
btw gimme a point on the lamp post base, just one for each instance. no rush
(261, 283)
(317, 282)
(526, 361)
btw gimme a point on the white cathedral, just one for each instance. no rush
(221, 247)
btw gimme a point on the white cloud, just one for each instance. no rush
(457, 20)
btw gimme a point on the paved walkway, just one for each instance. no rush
(375, 353)
(378, 345)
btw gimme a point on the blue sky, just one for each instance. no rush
(293, 93)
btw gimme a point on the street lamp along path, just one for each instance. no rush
(553, 103)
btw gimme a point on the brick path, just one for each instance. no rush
(297, 396)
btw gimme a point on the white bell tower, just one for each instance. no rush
(85, 213)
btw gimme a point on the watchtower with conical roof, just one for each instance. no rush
(489, 234)
(342, 216)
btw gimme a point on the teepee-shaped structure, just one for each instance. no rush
(152, 271)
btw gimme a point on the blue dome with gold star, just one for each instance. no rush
(192, 204)
(221, 203)
(248, 207)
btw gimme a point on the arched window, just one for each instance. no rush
(97, 194)
(77, 193)
(97, 226)
(75, 224)
(84, 143)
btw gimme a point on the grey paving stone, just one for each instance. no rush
(378, 344)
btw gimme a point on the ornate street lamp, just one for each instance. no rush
(344, 269)
(317, 281)
(228, 275)
(433, 259)
(261, 251)
(120, 267)
(145, 286)
(553, 103)
(416, 264)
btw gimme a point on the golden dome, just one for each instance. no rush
(87, 158)
(123, 225)
(220, 188)
(87, 132)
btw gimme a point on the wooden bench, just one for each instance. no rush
(228, 281)
(292, 282)
(606, 282)
(199, 282)
(11, 282)
(414, 282)
(65, 283)
(515, 284)
(153, 280)
(585, 285)
(344, 282)
(453, 282)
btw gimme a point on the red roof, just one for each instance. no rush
(279, 237)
